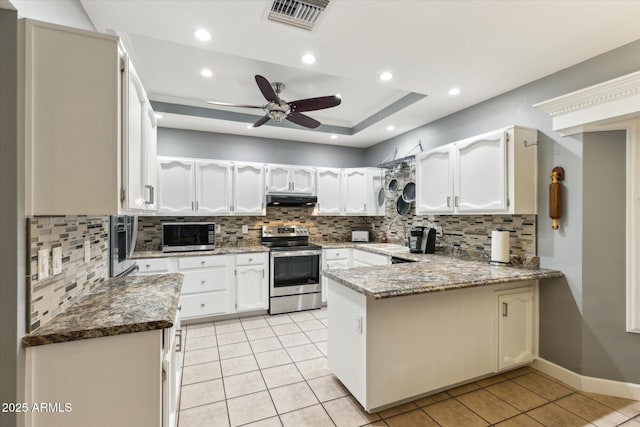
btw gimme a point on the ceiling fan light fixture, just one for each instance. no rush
(202, 35)
(308, 58)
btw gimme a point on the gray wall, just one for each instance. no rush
(12, 244)
(189, 143)
(608, 351)
(577, 330)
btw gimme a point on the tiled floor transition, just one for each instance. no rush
(272, 371)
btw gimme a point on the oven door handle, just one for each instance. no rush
(295, 253)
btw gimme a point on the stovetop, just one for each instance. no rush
(287, 238)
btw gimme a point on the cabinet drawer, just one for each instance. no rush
(369, 258)
(153, 265)
(332, 254)
(250, 259)
(204, 281)
(204, 261)
(211, 303)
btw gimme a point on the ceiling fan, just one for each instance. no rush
(278, 109)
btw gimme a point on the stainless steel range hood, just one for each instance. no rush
(291, 200)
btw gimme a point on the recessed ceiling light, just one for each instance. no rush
(158, 116)
(334, 136)
(391, 127)
(202, 35)
(454, 91)
(206, 72)
(308, 58)
(386, 76)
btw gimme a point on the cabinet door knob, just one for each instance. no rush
(202, 262)
(148, 265)
(202, 305)
(337, 253)
(250, 259)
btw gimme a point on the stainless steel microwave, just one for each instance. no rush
(188, 236)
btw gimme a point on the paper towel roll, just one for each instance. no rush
(500, 246)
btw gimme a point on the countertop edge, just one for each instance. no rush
(546, 274)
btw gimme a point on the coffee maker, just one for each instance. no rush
(422, 240)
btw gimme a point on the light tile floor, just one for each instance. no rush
(272, 371)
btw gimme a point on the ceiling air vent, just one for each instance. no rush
(301, 14)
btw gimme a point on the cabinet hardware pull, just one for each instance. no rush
(179, 343)
(263, 273)
(148, 265)
(197, 203)
(455, 201)
(505, 309)
(152, 196)
(448, 201)
(192, 206)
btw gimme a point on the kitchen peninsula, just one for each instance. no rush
(407, 330)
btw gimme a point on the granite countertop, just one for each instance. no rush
(118, 306)
(432, 273)
(225, 250)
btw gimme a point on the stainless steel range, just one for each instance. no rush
(294, 279)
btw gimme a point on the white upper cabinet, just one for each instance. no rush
(213, 187)
(177, 186)
(71, 98)
(354, 182)
(139, 144)
(329, 191)
(375, 181)
(248, 189)
(481, 175)
(89, 139)
(209, 187)
(434, 181)
(491, 173)
(286, 179)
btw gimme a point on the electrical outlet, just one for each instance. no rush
(56, 261)
(218, 229)
(43, 264)
(87, 251)
(438, 231)
(245, 229)
(373, 226)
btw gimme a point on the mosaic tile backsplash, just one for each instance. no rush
(321, 228)
(51, 295)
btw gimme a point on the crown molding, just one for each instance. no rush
(613, 100)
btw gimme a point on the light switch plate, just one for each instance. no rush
(43, 264)
(245, 229)
(87, 251)
(56, 260)
(218, 229)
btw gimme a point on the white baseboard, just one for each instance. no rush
(588, 384)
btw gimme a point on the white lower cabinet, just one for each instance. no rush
(363, 258)
(207, 289)
(516, 327)
(121, 380)
(252, 289)
(334, 259)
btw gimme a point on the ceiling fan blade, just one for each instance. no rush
(312, 104)
(266, 89)
(302, 120)
(262, 121)
(228, 104)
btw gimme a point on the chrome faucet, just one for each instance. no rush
(404, 228)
